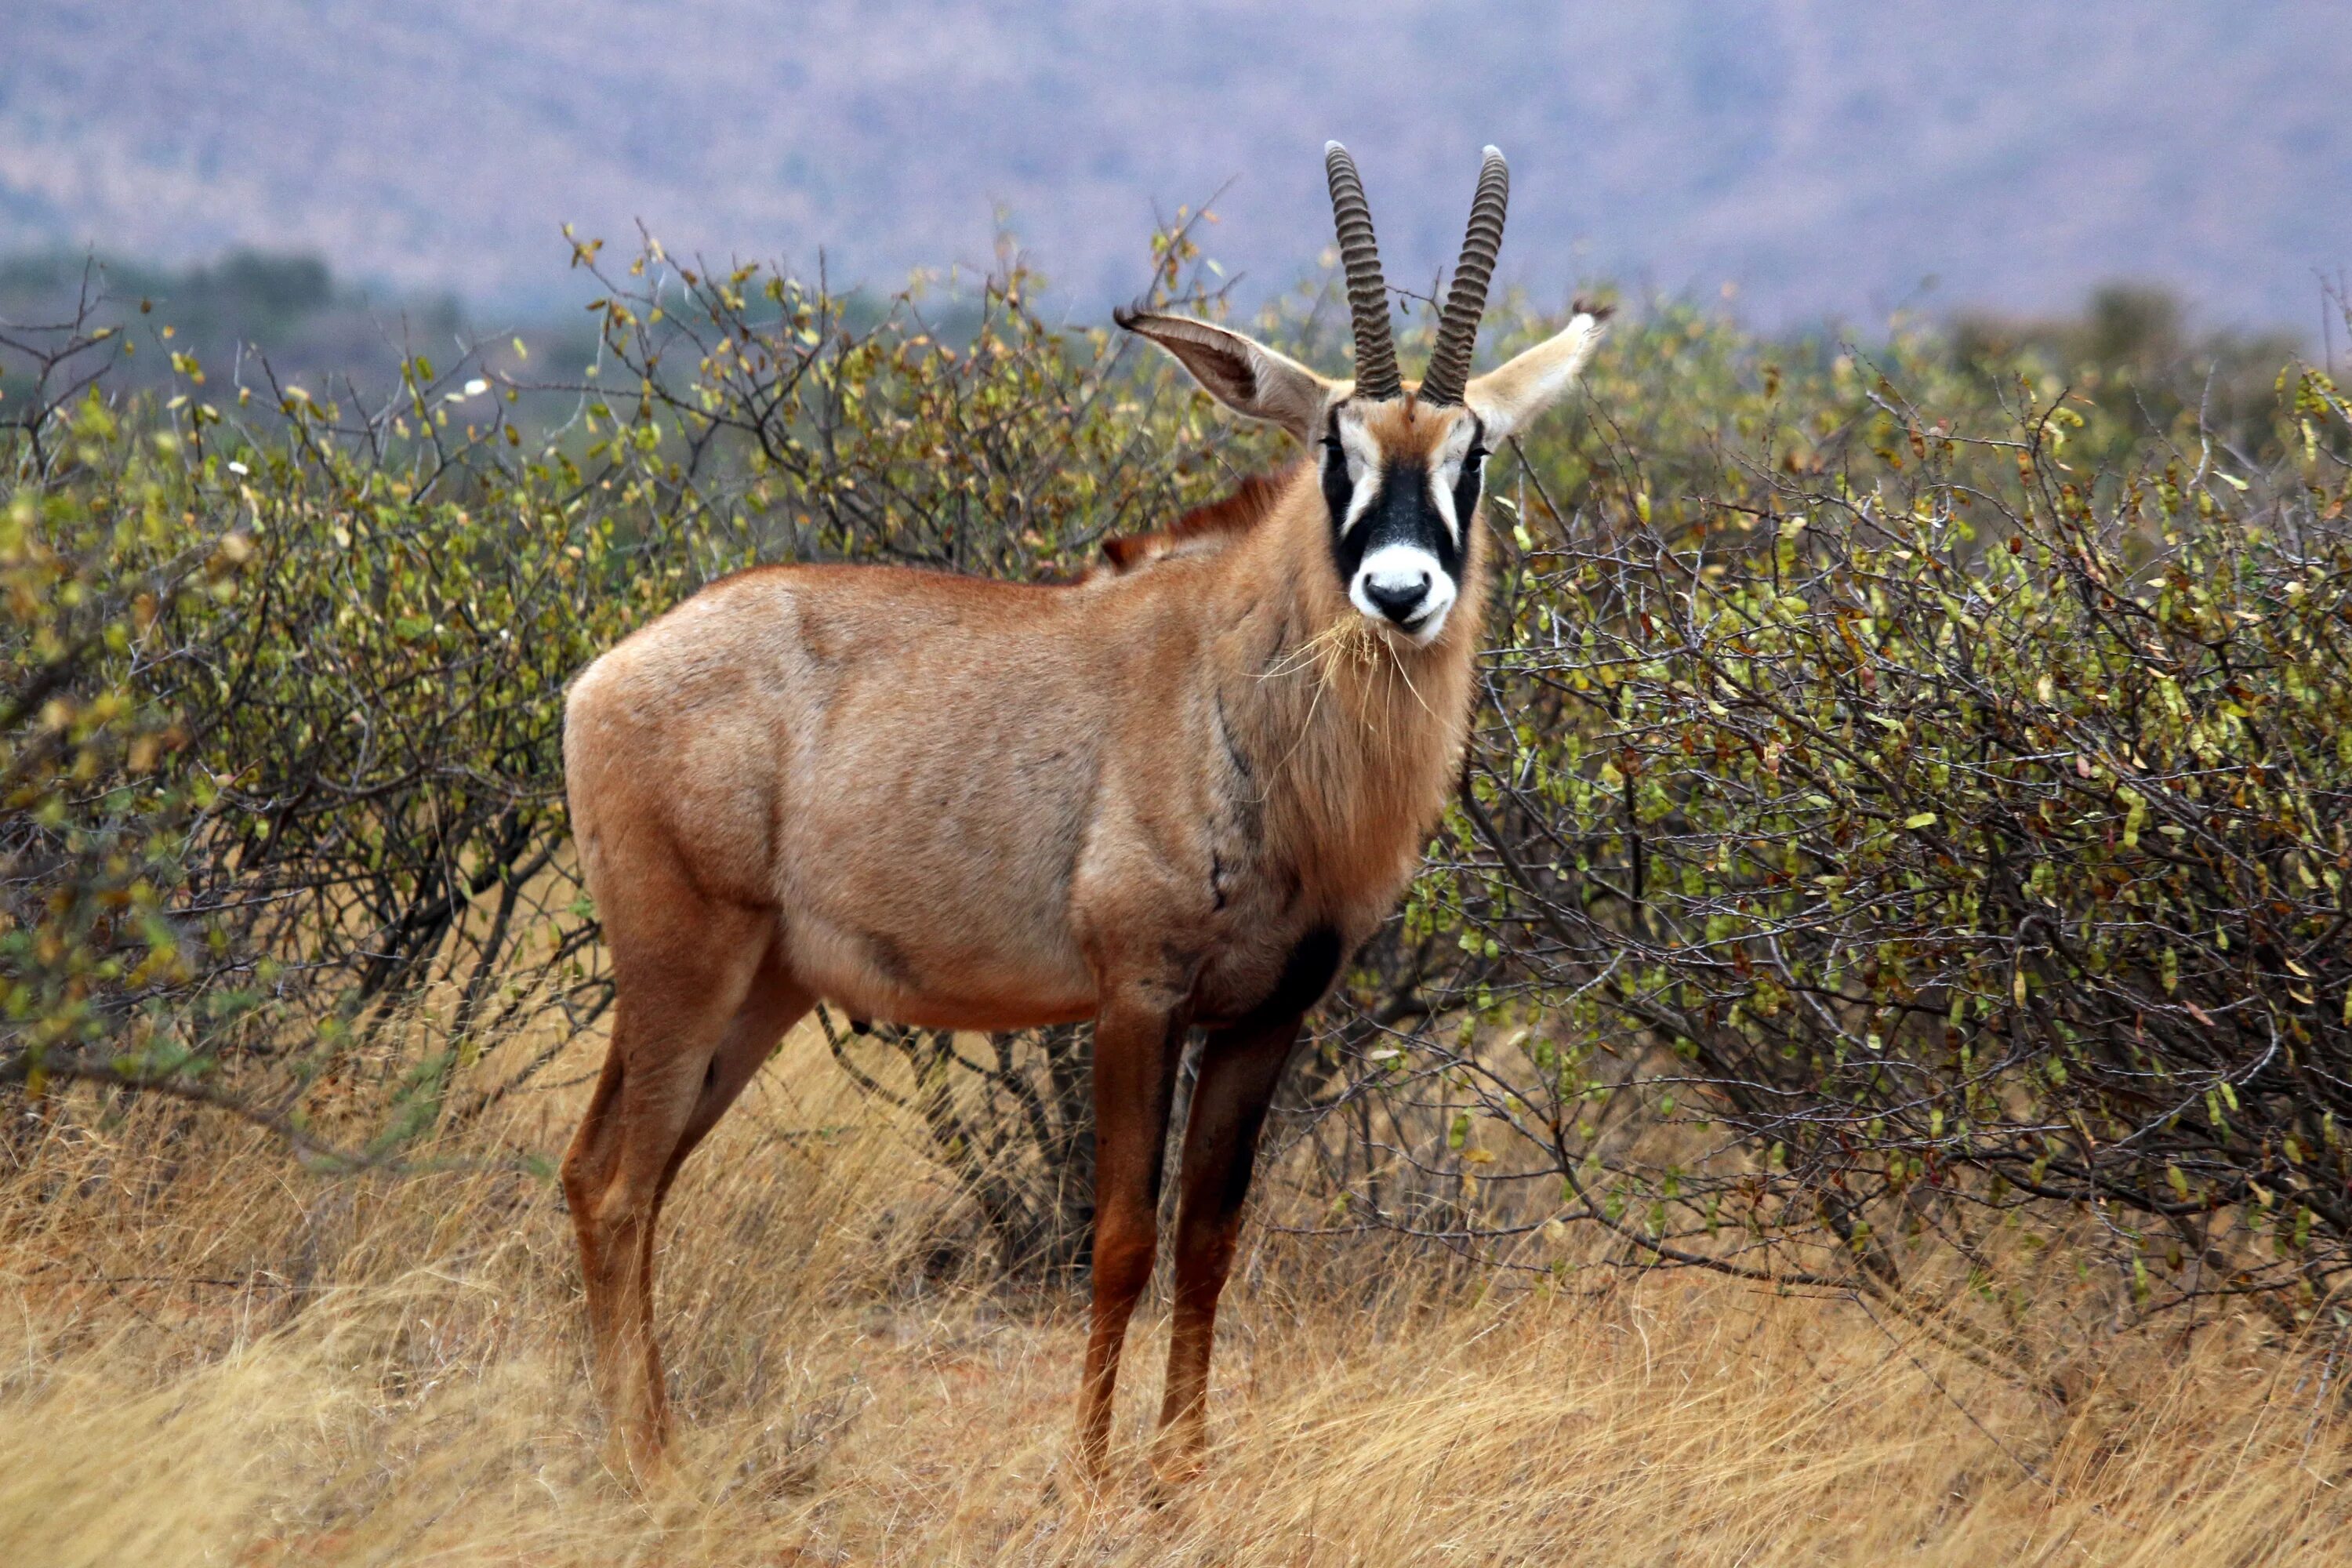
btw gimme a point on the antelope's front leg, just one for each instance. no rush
(1138, 1039)
(1239, 1069)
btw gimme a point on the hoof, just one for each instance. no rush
(638, 1460)
(1075, 1483)
(1173, 1476)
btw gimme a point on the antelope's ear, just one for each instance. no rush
(1508, 398)
(1247, 378)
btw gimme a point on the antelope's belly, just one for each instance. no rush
(926, 956)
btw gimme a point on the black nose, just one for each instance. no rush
(1398, 601)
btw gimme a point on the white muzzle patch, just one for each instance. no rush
(1403, 586)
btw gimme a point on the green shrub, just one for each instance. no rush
(1909, 795)
(283, 750)
(1933, 827)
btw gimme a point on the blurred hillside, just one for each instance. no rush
(1824, 156)
(250, 315)
(290, 309)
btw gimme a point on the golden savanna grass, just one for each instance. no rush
(212, 1355)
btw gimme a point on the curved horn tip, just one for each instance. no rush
(1368, 303)
(1488, 151)
(1457, 327)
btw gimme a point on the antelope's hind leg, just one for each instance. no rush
(701, 999)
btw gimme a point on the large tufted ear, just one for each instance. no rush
(1247, 378)
(1508, 398)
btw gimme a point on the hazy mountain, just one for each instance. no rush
(1824, 154)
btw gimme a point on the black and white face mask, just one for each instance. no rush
(1400, 519)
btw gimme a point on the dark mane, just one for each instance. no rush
(1204, 527)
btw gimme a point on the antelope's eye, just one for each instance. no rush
(1336, 454)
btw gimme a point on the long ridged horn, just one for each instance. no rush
(1368, 295)
(1466, 302)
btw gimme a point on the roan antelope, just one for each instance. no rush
(1181, 792)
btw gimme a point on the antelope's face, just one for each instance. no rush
(1401, 481)
(1400, 470)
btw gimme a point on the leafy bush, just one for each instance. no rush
(283, 744)
(1929, 830)
(1909, 798)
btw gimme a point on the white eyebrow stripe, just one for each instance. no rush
(1366, 488)
(1441, 495)
(1356, 447)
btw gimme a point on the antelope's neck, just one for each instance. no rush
(1346, 740)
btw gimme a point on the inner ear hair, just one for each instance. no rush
(1246, 376)
(1508, 398)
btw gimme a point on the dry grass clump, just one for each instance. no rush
(212, 1356)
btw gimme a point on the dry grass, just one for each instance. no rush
(211, 1356)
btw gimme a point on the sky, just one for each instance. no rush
(1825, 158)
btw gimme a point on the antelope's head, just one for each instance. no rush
(1402, 466)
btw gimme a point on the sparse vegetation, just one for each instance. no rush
(1902, 868)
(212, 1358)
